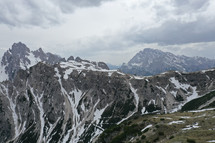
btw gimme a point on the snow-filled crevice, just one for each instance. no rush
(38, 101)
(96, 120)
(73, 97)
(134, 91)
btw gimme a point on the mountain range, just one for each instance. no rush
(21, 57)
(75, 100)
(153, 61)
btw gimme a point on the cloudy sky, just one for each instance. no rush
(109, 30)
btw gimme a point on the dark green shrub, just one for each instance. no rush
(157, 126)
(143, 137)
(156, 139)
(161, 133)
(146, 130)
(191, 141)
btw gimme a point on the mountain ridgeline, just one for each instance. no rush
(152, 62)
(76, 100)
(21, 57)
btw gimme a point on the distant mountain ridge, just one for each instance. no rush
(21, 57)
(153, 61)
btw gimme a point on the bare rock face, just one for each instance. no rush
(14, 58)
(70, 58)
(103, 65)
(152, 62)
(74, 101)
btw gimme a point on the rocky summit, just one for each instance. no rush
(21, 57)
(74, 101)
(153, 61)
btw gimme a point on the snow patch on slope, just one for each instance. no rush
(189, 127)
(179, 85)
(190, 95)
(3, 75)
(98, 113)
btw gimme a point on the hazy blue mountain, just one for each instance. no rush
(153, 61)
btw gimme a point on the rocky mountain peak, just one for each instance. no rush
(70, 58)
(153, 61)
(21, 57)
(19, 48)
(17, 52)
(78, 59)
(149, 50)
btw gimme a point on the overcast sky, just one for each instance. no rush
(109, 30)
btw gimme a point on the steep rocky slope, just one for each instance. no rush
(152, 62)
(75, 102)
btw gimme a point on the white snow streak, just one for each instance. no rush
(149, 126)
(161, 89)
(74, 98)
(40, 107)
(137, 103)
(143, 111)
(189, 127)
(197, 111)
(203, 71)
(212, 141)
(176, 122)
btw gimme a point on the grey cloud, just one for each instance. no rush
(39, 12)
(68, 6)
(184, 6)
(25, 13)
(176, 32)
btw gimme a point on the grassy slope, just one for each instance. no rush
(162, 131)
